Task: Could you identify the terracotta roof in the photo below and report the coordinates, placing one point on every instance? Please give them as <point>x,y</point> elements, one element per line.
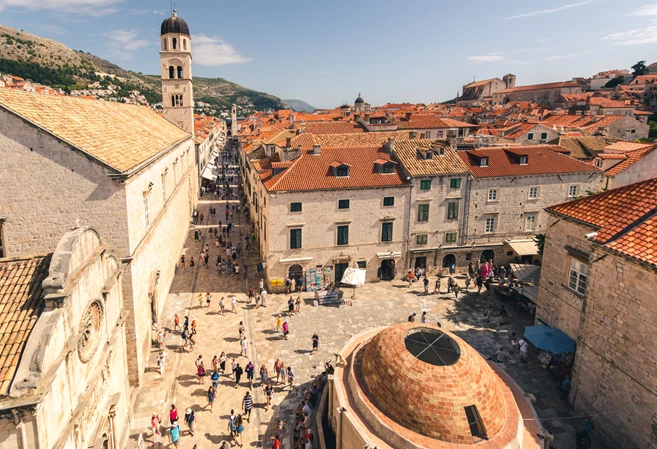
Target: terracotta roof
<point>121,136</point>
<point>333,128</point>
<point>630,158</point>
<point>611,156</point>
<point>430,121</point>
<point>313,172</point>
<point>608,103</point>
<point>542,160</point>
<point>349,140</point>
<point>448,163</point>
<point>480,83</point>
<point>625,218</point>
<point>626,146</point>
<point>21,302</point>
<point>560,84</point>
<point>582,147</point>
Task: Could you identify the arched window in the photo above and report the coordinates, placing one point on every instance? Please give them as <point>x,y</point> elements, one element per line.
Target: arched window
<point>173,100</point>
<point>175,43</point>
<point>181,99</point>
<point>184,44</point>
<point>164,43</point>
<point>180,72</point>
<point>171,72</point>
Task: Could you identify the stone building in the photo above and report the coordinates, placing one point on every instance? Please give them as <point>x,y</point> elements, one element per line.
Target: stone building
<point>439,180</point>
<point>621,168</point>
<point>477,91</point>
<point>527,134</point>
<point>507,193</point>
<point>547,94</point>
<point>64,372</point>
<point>122,169</point>
<point>419,386</point>
<point>597,286</point>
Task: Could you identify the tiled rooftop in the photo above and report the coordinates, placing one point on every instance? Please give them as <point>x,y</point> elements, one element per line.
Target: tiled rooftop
<point>21,302</point>
<point>625,218</point>
<point>448,163</point>
<point>630,158</point>
<point>352,140</point>
<point>541,160</point>
<point>560,84</point>
<point>119,135</point>
<point>333,128</point>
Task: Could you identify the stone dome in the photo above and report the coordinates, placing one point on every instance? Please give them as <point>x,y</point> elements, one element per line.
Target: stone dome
<point>429,381</point>
<point>174,24</point>
<point>359,100</point>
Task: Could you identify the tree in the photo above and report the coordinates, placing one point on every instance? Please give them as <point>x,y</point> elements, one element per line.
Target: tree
<point>615,81</point>
<point>540,242</point>
<point>639,69</point>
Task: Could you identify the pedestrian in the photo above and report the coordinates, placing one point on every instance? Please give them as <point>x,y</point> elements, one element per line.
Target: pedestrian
<point>290,377</point>
<point>283,372</point>
<point>191,262</point>
<point>241,329</point>
<point>513,342</point>
<point>288,283</point>
<point>500,355</point>
<point>191,341</point>
<point>176,322</point>
<point>503,314</point>
<point>174,434</point>
<point>456,290</point>
<point>247,405</point>
<point>190,420</point>
<point>261,285</point>
<point>250,371</point>
<point>238,374</point>
<point>160,362</point>
<point>411,317</point>
<point>565,387</point>
<point>200,373</point>
<point>290,306</point>
<point>199,298</point>
<point>426,285</point>
<point>297,304</point>
<point>277,369</point>
<point>315,340</point>
<point>155,426</point>
<point>208,297</point>
<point>222,306</point>
<point>523,347</point>
<point>212,394</point>
<point>232,425</point>
<point>450,284</point>
<point>480,283</point>
<point>269,393</point>
<point>286,329</point>
<point>193,326</point>
<point>263,298</point>
<point>240,427</point>
<point>244,343</point>
<point>182,261</point>
<point>488,313</point>
<point>468,279</point>
<point>233,303</point>
<point>423,318</point>
<point>264,375</point>
<point>409,278</point>
<point>173,413</point>
<point>251,294</point>
<point>214,377</point>
<point>185,339</point>
<point>222,362</point>
<point>293,285</point>
<point>233,367</point>
<point>436,288</point>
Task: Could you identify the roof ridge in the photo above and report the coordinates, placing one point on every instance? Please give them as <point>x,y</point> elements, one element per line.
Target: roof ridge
<point>630,226</point>
<point>285,172</point>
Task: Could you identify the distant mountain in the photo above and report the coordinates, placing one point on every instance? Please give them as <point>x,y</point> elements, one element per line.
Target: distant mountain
<point>52,63</point>
<point>299,106</point>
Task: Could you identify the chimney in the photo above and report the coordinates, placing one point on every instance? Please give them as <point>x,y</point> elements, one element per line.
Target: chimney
<point>288,142</point>
<point>408,116</point>
<point>391,145</point>
<point>317,150</point>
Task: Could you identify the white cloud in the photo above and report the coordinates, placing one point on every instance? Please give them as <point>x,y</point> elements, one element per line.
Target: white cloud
<point>121,43</point>
<point>645,10</point>
<point>213,51</point>
<point>567,56</point>
<point>93,8</point>
<point>549,11</point>
<point>141,12</point>
<point>646,35</point>
<point>487,58</point>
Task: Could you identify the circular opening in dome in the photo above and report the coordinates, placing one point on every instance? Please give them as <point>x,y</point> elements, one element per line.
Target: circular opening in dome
<point>432,346</point>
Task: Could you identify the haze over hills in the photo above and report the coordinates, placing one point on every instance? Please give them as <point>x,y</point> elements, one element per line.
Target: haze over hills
<point>299,105</point>
<point>52,63</point>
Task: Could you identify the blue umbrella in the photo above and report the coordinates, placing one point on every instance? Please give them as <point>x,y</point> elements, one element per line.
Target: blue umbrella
<point>549,339</point>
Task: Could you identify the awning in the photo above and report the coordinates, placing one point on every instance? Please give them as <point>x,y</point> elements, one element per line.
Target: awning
<point>523,247</point>
<point>528,291</point>
<point>388,255</point>
<point>295,259</point>
<point>425,250</point>
<point>210,172</point>
<point>529,274</point>
<point>353,276</point>
<point>549,339</point>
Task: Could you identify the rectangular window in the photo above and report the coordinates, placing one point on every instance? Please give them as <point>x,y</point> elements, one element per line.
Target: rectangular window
<point>453,210</point>
<point>450,237</point>
<point>421,239</point>
<point>543,136</point>
<point>343,235</point>
<point>147,217</point>
<point>477,428</point>
<point>530,222</point>
<point>490,225</point>
<point>388,168</point>
<point>423,212</point>
<point>295,207</point>
<point>343,204</point>
<point>530,136</point>
<point>523,160</point>
<point>425,184</point>
<point>388,200</point>
<point>362,264</point>
<point>572,191</point>
<point>386,231</point>
<point>455,183</point>
<point>533,193</point>
<point>492,195</point>
<point>483,162</point>
<point>578,275</point>
<point>342,171</point>
<point>295,238</point>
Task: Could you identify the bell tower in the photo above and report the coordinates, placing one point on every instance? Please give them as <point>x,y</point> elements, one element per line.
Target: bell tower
<point>176,67</point>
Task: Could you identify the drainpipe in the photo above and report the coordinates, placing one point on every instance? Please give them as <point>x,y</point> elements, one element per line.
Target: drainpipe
<point>466,210</point>
<point>408,231</point>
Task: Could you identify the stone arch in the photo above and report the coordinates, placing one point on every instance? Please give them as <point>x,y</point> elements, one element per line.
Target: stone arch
<point>487,255</point>
<point>448,260</point>
<point>164,44</point>
<point>173,100</point>
<point>171,72</point>
<point>180,71</point>
<point>184,44</point>
<point>174,44</point>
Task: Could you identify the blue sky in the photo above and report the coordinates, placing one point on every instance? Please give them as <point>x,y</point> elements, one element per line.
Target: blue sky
<point>391,51</point>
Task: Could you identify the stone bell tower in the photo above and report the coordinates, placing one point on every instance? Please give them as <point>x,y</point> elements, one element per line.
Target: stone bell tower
<point>176,67</point>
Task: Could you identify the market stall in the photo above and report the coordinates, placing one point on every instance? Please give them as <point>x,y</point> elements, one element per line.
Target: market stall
<point>557,348</point>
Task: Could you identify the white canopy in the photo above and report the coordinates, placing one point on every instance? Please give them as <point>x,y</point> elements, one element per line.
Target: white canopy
<point>354,277</point>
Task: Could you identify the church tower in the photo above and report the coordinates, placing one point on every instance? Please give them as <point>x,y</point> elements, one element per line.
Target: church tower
<point>176,66</point>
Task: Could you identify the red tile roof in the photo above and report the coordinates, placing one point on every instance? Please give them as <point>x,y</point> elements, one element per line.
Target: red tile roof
<point>625,218</point>
<point>560,84</point>
<point>333,128</point>
<point>630,158</point>
<point>313,172</point>
<point>542,160</point>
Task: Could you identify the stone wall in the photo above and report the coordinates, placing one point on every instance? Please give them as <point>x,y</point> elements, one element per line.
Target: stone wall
<point>644,169</point>
<point>627,128</point>
<point>547,97</point>
<point>47,188</point>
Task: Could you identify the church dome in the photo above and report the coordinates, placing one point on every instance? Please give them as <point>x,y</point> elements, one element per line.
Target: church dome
<point>359,100</point>
<point>174,24</point>
<point>428,380</point>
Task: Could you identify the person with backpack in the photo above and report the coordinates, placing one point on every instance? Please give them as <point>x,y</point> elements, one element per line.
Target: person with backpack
<point>190,420</point>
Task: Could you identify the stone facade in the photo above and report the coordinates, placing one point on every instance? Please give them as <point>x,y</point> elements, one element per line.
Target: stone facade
<point>643,169</point>
<point>57,187</point>
<point>614,366</point>
<point>626,128</point>
<point>71,386</point>
<point>177,86</point>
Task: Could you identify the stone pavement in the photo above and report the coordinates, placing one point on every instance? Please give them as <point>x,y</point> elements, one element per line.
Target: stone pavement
<point>376,304</point>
